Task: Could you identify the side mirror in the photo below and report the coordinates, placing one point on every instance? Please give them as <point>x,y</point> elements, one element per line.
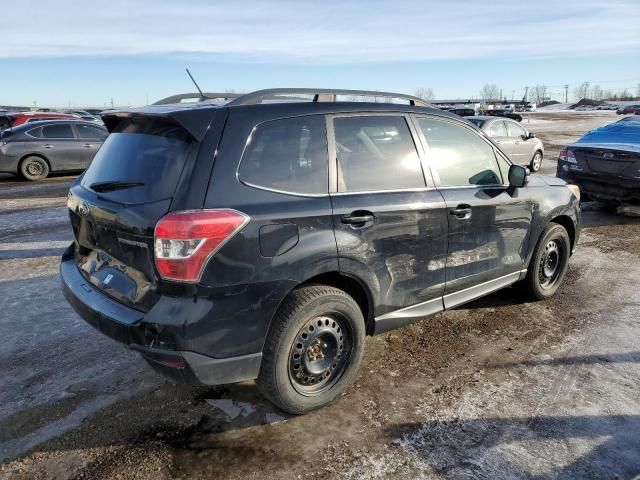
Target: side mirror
<point>531,135</point>
<point>518,176</point>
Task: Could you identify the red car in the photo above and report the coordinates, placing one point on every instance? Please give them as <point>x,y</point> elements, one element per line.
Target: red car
<point>629,110</point>
<point>10,120</point>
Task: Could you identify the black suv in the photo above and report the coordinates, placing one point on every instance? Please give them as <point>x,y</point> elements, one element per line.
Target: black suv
<point>265,237</point>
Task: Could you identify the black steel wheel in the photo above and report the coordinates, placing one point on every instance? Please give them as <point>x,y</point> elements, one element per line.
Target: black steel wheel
<point>34,168</point>
<point>320,353</point>
<point>313,349</point>
<point>549,263</point>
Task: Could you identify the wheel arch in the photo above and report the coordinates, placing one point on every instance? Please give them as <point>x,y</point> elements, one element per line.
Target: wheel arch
<point>567,223</point>
<point>353,286</point>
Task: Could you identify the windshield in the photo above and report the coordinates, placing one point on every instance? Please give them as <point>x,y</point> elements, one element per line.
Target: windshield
<point>149,157</point>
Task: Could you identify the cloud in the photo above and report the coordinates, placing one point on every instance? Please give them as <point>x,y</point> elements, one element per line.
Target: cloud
<point>319,32</point>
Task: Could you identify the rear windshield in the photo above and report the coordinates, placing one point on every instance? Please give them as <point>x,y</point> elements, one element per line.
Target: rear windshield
<point>145,157</point>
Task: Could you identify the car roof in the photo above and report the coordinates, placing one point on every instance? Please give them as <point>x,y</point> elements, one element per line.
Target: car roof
<point>41,123</point>
<point>195,117</point>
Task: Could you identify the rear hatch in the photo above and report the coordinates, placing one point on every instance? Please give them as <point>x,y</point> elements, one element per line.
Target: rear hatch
<point>116,204</point>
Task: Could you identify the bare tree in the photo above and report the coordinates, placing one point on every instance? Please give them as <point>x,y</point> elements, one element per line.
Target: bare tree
<point>490,92</point>
<point>425,94</point>
<point>597,93</point>
<point>539,93</point>
<point>581,91</point>
<point>638,90</point>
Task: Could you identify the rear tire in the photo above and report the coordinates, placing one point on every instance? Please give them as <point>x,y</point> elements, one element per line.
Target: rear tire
<point>536,161</point>
<point>34,168</point>
<point>549,263</point>
<point>313,349</point>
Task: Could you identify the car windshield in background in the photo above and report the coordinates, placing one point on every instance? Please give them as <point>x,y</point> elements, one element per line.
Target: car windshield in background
<point>140,163</point>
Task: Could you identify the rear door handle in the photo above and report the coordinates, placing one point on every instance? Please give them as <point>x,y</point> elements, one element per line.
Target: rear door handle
<point>88,145</point>
<point>462,212</point>
<point>48,146</point>
<point>357,219</point>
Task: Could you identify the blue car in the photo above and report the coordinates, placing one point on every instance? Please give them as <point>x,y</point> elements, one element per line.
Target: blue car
<point>605,163</point>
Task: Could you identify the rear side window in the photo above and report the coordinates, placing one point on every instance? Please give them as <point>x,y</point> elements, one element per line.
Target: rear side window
<point>288,155</point>
<point>459,155</point>
<point>57,132</point>
<point>376,153</point>
<point>148,155</point>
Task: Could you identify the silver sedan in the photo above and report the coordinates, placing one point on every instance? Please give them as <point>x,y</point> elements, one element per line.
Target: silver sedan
<point>521,145</point>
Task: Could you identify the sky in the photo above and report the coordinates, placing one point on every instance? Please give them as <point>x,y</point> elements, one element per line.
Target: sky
<point>90,53</point>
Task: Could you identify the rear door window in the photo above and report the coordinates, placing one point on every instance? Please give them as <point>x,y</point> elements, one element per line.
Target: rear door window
<point>287,155</point>
<point>147,155</point>
<point>459,155</point>
<point>89,132</point>
<point>58,132</point>
<point>376,153</point>
<point>498,129</point>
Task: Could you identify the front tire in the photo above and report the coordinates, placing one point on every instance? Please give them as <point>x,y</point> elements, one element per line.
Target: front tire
<point>536,161</point>
<point>313,349</point>
<point>549,263</point>
<point>34,168</point>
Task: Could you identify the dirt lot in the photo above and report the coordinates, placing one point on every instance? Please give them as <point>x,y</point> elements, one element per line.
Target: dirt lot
<point>501,388</point>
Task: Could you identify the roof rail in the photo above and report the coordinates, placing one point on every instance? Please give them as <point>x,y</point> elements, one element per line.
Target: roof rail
<point>200,98</point>
<point>319,95</point>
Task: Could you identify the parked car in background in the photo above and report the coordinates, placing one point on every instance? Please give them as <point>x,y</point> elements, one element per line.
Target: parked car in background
<point>11,120</point>
<point>276,260</point>
<point>501,112</point>
<point>628,110</point>
<point>605,162</point>
<point>462,112</point>
<point>34,150</point>
<point>521,145</point>
<point>84,115</point>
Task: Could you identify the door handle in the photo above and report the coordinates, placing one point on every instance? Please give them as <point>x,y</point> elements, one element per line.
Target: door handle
<point>357,219</point>
<point>461,212</point>
<point>87,145</point>
<point>498,141</point>
<point>47,146</point>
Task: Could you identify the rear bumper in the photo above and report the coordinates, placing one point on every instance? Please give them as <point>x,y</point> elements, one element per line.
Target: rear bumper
<point>156,342</point>
<point>602,187</point>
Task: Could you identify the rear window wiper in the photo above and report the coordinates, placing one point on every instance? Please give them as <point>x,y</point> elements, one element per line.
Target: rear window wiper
<point>113,185</point>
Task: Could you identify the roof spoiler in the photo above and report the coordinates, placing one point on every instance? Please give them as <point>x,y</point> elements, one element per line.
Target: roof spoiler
<point>195,121</point>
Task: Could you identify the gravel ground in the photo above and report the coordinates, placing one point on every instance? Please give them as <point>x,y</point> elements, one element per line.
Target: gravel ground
<point>501,388</point>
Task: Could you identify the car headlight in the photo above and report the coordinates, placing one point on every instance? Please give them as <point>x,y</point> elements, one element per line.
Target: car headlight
<point>575,190</point>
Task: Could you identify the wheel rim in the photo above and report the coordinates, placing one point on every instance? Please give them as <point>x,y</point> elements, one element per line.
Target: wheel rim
<point>550,264</point>
<point>320,354</point>
<point>537,161</point>
<point>35,169</point>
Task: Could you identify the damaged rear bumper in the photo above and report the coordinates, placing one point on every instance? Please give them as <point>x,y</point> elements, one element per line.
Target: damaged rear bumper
<point>154,341</point>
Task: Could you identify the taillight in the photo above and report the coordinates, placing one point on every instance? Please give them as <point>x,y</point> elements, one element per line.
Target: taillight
<point>566,155</point>
<point>184,241</point>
